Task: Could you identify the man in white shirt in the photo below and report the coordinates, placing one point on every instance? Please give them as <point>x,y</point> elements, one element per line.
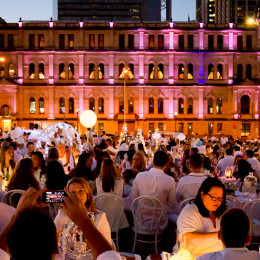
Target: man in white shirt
<point>223,140</point>
<point>157,184</point>
<point>162,140</point>
<point>21,146</point>
<point>235,235</point>
<point>189,185</point>
<point>195,139</point>
<point>225,162</point>
<point>255,164</point>
<point>17,157</point>
<point>236,150</point>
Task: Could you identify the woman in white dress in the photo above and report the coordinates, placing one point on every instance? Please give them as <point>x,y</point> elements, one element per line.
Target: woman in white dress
<point>82,190</point>
<point>7,162</point>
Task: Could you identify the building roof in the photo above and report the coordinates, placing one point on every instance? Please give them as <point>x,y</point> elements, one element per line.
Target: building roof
<point>5,82</point>
<point>248,82</point>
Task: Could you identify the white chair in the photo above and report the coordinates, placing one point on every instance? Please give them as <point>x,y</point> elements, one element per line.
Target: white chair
<point>11,193</point>
<point>233,202</point>
<point>184,203</point>
<point>152,207</point>
<point>113,206</point>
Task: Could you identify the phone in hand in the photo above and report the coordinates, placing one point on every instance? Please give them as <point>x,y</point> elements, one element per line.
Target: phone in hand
<point>53,196</point>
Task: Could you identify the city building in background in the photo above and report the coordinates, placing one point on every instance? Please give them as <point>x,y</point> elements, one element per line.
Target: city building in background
<point>185,77</point>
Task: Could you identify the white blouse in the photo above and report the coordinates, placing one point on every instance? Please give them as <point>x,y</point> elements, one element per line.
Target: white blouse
<point>118,187</point>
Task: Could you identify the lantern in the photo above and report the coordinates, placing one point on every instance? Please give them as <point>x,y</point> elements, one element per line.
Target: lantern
<point>228,172</point>
<point>88,118</point>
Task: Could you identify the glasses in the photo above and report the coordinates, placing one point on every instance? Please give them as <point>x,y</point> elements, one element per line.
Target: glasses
<point>215,198</point>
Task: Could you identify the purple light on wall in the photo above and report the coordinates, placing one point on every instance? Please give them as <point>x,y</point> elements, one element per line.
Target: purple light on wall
<point>171,25</point>
<point>201,25</point>
<point>51,24</point>
<point>20,24</point>
<point>81,24</point>
<point>230,81</point>
<point>51,81</point>
<point>20,81</point>
<point>81,81</point>
<point>236,116</point>
<point>141,81</point>
<point>111,24</point>
<point>256,116</point>
<point>231,25</point>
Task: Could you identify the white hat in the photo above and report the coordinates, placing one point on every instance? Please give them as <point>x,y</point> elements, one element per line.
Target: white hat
<point>123,147</point>
<point>20,140</point>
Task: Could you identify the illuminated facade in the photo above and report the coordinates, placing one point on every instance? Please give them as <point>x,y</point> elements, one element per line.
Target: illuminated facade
<point>188,77</point>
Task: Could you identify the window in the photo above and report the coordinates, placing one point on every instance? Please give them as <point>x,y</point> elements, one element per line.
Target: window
<point>2,70</point>
<point>41,71</point>
<point>210,128</point>
<point>131,71</point>
<point>91,71</point>
<point>211,42</point>
<point>245,129</point>
<point>181,106</point>
<point>151,127</point>
<point>245,105</point>
<point>181,71</point>
<point>219,106</point>
<point>190,106</point>
<point>2,42</point>
<point>248,71</point>
<point>190,71</point>
<point>249,42</point>
<point>180,127</point>
<point>130,105</point>
<point>130,41</point>
<point>62,41</point>
<point>31,41</point>
<point>219,128</point>
<point>160,126</point>
<point>101,71</point>
<point>41,105</point>
<point>101,41</point>
<point>92,104</point>
<point>101,126</point>
<point>240,42</point>
<point>101,105</point>
<point>160,105</point>
<point>92,41</point>
<point>160,71</point>
<point>239,72</point>
<point>71,105</point>
<point>62,105</point>
<point>210,106</point>
<point>160,42</point>
<point>71,41</point>
<point>151,105</point>
<point>190,128</point>
<point>31,126</point>
<point>121,105</point>
<point>219,71</point>
<point>5,110</point>
<point>151,71</point>
<point>62,71</point>
<point>121,41</point>
<point>181,42</point>
<point>32,71</point>
<point>32,105</point>
<point>190,42</point>
<point>11,70</point>
<point>210,71</point>
<point>121,71</point>
<point>220,42</point>
<point>41,41</point>
<point>71,71</point>
<point>10,42</point>
<point>151,41</point>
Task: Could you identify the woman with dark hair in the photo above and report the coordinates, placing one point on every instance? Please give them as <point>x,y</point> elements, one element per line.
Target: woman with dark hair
<point>237,159</point>
<point>185,166</point>
<point>244,168</point>
<point>127,163</point>
<point>140,148</point>
<point>199,221</point>
<point>53,155</point>
<point>102,156</point>
<point>39,165</point>
<point>206,165</point>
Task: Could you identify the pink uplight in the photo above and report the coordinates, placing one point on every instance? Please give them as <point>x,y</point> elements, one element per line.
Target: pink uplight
<point>20,24</point>
<point>51,24</point>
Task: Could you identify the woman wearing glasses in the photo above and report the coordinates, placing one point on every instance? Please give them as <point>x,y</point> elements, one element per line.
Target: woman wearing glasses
<point>199,221</point>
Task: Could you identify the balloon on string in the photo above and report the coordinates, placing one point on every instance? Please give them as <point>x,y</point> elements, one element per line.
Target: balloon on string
<point>88,118</point>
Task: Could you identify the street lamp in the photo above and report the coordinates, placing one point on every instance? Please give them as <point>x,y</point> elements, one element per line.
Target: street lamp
<point>77,111</point>
<point>175,119</point>
<point>2,59</point>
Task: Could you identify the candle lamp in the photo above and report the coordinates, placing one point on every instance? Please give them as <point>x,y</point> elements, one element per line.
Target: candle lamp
<point>228,172</point>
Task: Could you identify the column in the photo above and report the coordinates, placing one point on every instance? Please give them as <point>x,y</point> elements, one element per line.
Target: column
<point>256,104</point>
<point>141,103</point>
<point>201,68</point>
<point>51,72</point>
<point>20,69</point>
<point>230,68</point>
<point>15,91</point>
<point>201,35</point>
<point>141,69</point>
<point>141,42</point>
<point>231,45</point>
<point>171,44</point>
<point>51,102</point>
<point>171,69</point>
<point>111,102</point>
<point>170,103</point>
<point>201,103</point>
<point>111,69</point>
<point>81,100</point>
<point>81,68</point>
<point>235,103</point>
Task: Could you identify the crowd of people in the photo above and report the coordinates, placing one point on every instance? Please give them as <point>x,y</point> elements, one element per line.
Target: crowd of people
<point>167,169</point>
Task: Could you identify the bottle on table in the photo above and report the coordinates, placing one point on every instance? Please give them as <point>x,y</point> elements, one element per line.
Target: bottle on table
<point>250,184</point>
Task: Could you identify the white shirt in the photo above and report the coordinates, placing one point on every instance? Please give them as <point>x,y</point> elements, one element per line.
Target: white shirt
<point>17,157</point>
<point>94,164</point>
<point>236,153</point>
<point>157,184</point>
<point>162,141</point>
<point>195,140</point>
<point>22,151</point>
<point>26,155</point>
<point>189,185</point>
<point>231,253</point>
<point>224,163</point>
<point>37,174</point>
<point>223,140</point>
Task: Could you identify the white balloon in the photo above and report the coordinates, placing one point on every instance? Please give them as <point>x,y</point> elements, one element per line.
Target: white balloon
<point>88,118</point>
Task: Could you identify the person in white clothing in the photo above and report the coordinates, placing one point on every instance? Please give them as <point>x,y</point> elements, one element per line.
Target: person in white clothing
<point>30,149</point>
<point>223,140</point>
<point>225,162</point>
<point>21,146</point>
<point>7,162</point>
<point>189,185</point>
<point>236,150</point>
<point>255,164</point>
<point>39,165</point>
<point>17,157</point>
<point>157,184</point>
<point>234,239</point>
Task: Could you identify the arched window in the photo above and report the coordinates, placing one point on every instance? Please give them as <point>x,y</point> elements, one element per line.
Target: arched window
<point>245,105</point>
<point>190,71</point>
<point>131,71</point>
<point>220,71</point>
<point>181,105</point>
<point>62,71</point>
<point>101,71</point>
<point>5,110</point>
<point>101,105</point>
<point>32,105</point>
<point>248,71</point>
<point>2,70</point>
<point>130,105</point>
<point>239,72</point>
<point>190,106</point>
<point>32,71</point>
<point>151,105</point>
<point>11,70</point>
<point>71,71</point>
<point>219,106</point>
<point>92,104</point>
<point>181,71</point>
<point>151,71</point>
<point>121,71</point>
<point>41,105</point>
<point>210,71</point>
<point>160,105</point>
<point>160,71</point>
<point>62,105</point>
<point>210,106</point>
<point>121,105</point>
<point>71,105</point>
<point>91,71</point>
<point>41,71</point>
